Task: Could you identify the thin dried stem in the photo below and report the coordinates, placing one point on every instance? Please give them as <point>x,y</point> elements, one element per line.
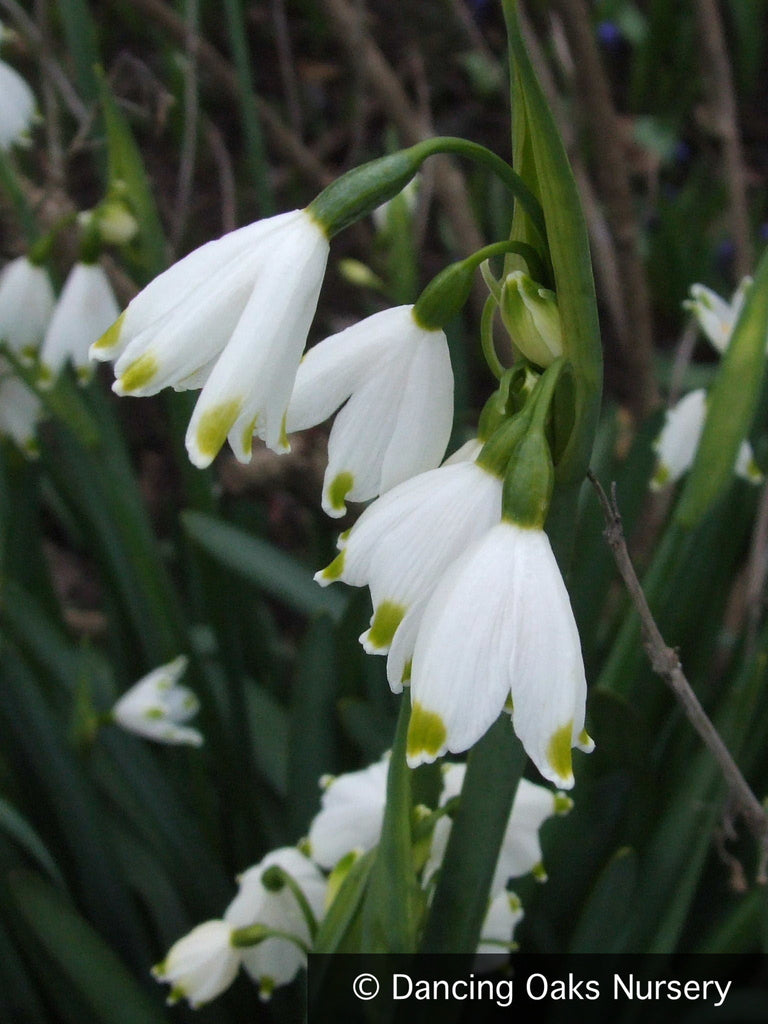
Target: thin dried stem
<point>666,663</point>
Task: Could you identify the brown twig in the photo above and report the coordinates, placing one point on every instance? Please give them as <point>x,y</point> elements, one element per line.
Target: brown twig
<point>722,103</point>
<point>666,663</point>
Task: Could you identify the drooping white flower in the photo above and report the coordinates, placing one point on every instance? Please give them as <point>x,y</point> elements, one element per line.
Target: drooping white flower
<point>394,383</point>
<point>351,814</point>
<point>678,442</point>
<point>506,594</point>
<point>276,961</point>
<point>403,543</point>
<point>17,107</point>
<point>505,912</point>
<point>86,308</point>
<point>20,410</point>
<point>156,705</point>
<point>714,315</point>
<point>201,965</point>
<point>231,318</point>
<point>520,851</point>
<point>27,301</point>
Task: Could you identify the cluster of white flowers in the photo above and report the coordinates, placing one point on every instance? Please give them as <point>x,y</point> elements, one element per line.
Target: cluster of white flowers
<point>678,442</point>
<point>43,333</point>
<point>269,926</point>
<point>443,560</point>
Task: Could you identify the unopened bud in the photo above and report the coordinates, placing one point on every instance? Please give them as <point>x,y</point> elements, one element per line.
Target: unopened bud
<point>531,315</point>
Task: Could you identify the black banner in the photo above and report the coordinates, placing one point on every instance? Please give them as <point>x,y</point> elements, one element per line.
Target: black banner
<point>478,989</point>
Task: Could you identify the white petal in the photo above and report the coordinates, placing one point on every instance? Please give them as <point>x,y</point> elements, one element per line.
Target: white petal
<point>504,914</point>
<point>521,849</point>
<point>27,301</point>
<point>679,438</point>
<point>351,814</point>
<point>331,370</point>
<point>250,385</point>
<point>425,413</point>
<point>181,281</point>
<point>202,964</point>
<point>20,410</point>
<point>458,688</point>
<point>746,468</point>
<point>86,307</point>
<point>545,666</point>
<point>17,106</point>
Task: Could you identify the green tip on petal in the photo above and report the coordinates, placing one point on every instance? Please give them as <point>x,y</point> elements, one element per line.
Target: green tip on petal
<point>304,846</point>
<point>559,752</point>
<point>246,441</point>
<point>386,619</point>
<point>407,671</point>
<point>177,993</point>
<point>585,742</point>
<point>514,901</point>
<point>660,478</point>
<point>426,733</point>
<point>214,426</point>
<point>139,373</point>
<point>340,487</point>
<point>563,803</point>
<point>539,872</point>
<point>334,570</point>
<point>111,336</point>
<point>266,988</point>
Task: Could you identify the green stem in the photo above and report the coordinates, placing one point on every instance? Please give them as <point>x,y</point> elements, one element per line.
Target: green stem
<point>275,872</point>
<point>254,934</point>
<point>494,768</point>
<point>389,909</point>
<point>486,338</point>
<point>361,190</point>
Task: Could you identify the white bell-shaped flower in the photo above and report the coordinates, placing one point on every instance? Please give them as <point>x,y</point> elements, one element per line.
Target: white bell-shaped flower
<point>393,380</point>
<point>678,442</point>
<point>714,315</point>
<point>20,410</point>
<point>201,965</point>
<point>156,707</point>
<point>27,302</point>
<point>507,594</point>
<point>86,308</point>
<point>17,107</point>
<point>351,814</point>
<point>276,961</point>
<point>403,543</point>
<point>231,318</point>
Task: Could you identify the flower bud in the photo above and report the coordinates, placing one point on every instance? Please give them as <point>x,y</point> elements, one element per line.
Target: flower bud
<point>531,315</point>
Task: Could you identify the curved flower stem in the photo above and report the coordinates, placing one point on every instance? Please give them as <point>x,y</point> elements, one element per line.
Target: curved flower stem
<point>486,338</point>
<point>359,191</point>
<point>666,663</point>
<point>506,175</point>
<point>254,934</point>
<point>285,878</point>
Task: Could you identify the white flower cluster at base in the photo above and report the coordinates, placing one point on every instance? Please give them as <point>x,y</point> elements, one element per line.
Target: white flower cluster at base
<point>205,962</point>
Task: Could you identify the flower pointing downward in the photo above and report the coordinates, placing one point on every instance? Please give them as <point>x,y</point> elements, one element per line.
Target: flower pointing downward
<point>499,626</point>
<point>231,318</point>
<point>393,379</point>
<point>156,705</point>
